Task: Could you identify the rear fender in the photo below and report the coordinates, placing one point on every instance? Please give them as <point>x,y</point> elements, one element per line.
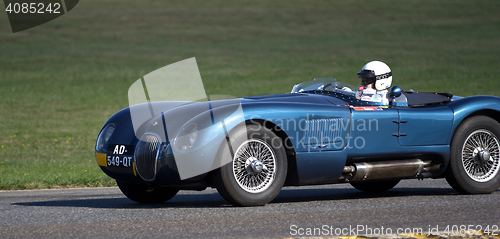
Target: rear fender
<point>467,106</point>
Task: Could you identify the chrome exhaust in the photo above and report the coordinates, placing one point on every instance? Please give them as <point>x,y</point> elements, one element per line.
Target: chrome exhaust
<point>397,169</point>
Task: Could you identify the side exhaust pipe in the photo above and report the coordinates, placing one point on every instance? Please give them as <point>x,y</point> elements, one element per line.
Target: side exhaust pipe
<point>383,170</point>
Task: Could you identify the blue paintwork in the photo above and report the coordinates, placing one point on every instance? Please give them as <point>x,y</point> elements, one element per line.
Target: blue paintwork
<point>391,133</point>
<point>320,167</point>
<point>372,133</point>
<point>425,126</point>
<point>468,105</point>
<point>292,119</point>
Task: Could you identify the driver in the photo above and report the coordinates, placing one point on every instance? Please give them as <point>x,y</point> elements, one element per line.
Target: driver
<point>376,78</point>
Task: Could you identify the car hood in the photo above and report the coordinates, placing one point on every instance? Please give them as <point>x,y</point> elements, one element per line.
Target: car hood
<point>176,114</point>
<point>294,98</point>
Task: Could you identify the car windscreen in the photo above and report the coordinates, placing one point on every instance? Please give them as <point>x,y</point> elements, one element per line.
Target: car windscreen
<point>334,88</point>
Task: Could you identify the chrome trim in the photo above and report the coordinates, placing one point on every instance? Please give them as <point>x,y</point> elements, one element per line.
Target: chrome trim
<point>254,166</point>
<point>481,155</point>
<point>138,162</point>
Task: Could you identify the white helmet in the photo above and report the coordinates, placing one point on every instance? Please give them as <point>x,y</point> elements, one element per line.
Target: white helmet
<point>380,72</point>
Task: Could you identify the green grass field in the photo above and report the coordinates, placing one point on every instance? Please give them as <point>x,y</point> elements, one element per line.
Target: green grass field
<point>59,82</point>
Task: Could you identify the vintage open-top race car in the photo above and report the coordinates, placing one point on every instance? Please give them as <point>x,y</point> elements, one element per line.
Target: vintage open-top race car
<point>320,133</point>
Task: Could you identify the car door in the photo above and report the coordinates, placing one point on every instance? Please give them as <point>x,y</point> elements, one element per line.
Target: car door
<point>371,132</point>
<point>424,126</point>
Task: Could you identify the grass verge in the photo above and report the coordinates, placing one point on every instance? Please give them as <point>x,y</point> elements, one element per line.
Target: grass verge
<point>59,82</point>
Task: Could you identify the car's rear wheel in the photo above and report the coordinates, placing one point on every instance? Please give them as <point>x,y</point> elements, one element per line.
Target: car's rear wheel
<point>257,170</point>
<point>475,156</point>
<point>146,194</point>
<point>375,186</point>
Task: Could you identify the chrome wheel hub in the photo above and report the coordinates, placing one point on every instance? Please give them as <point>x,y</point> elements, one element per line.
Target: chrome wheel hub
<point>481,155</point>
<point>254,166</point>
<point>484,156</point>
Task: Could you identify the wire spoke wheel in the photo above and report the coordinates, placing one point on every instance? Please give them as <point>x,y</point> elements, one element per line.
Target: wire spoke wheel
<point>474,165</point>
<point>257,169</point>
<point>254,166</point>
<point>481,155</point>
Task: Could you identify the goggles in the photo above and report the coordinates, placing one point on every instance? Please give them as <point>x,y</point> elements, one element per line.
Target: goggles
<point>367,81</point>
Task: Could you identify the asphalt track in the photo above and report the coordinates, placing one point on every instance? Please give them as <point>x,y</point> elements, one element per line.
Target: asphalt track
<point>296,212</point>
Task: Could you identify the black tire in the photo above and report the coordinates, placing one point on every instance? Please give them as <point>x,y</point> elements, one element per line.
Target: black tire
<point>233,180</point>
<point>145,194</point>
<point>375,186</point>
<point>474,167</point>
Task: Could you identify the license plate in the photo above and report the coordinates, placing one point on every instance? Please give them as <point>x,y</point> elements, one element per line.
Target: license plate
<point>120,155</point>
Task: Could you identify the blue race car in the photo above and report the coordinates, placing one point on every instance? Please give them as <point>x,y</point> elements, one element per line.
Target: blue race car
<point>320,133</point>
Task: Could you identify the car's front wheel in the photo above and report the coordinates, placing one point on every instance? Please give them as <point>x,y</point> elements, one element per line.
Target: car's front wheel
<point>257,170</point>
<point>146,194</point>
<point>475,156</point>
